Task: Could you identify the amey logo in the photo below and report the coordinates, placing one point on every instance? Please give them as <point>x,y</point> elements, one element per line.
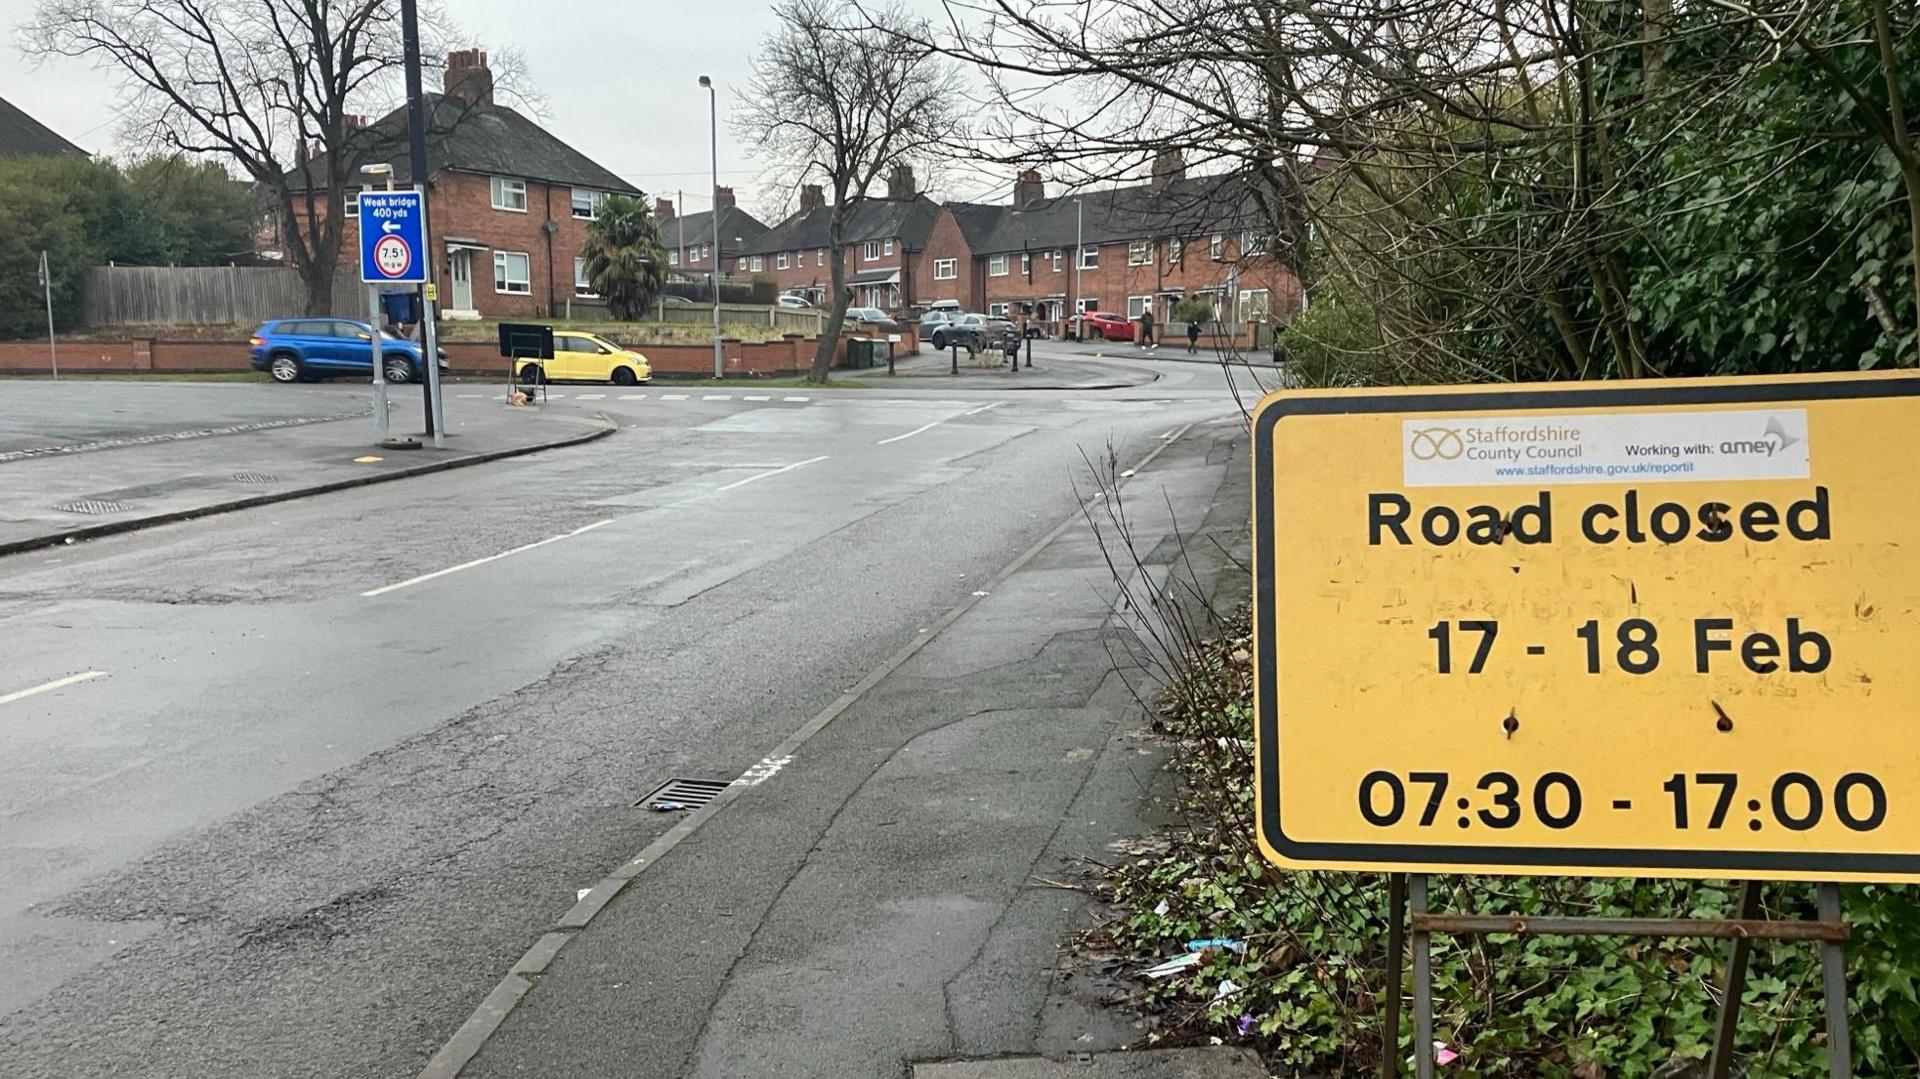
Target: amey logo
<point>1772,441</point>
<point>1435,444</point>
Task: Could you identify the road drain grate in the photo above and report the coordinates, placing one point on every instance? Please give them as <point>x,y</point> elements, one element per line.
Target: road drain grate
<point>680,794</point>
<point>254,477</point>
<point>90,505</point>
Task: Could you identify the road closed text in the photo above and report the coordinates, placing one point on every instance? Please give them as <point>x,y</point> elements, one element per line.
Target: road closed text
<point>1394,518</point>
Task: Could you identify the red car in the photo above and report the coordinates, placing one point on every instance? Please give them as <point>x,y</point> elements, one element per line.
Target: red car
<point>1107,326</point>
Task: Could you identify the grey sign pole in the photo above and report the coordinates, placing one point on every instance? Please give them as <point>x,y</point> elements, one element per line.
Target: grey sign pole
<point>379,373</point>
<point>713,127</point>
<point>430,331</point>
<point>46,285</point>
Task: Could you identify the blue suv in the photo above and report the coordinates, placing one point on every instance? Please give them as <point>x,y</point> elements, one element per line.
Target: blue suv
<point>297,349</point>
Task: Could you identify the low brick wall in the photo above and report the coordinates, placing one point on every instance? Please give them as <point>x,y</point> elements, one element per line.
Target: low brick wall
<point>791,355</point>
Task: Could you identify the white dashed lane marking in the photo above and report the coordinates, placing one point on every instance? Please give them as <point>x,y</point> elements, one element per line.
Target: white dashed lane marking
<point>718,397</point>
<point>425,577</point>
<point>49,687</point>
<point>773,472</point>
<point>592,397</point>
<point>751,397</point>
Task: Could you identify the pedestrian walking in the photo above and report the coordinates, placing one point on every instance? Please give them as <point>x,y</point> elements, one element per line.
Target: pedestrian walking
<point>1146,329</point>
<point>1193,336</point>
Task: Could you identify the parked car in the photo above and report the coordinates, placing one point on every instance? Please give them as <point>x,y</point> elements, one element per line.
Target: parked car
<point>1107,326</point>
<point>873,316</point>
<point>301,349</point>
<point>790,300</point>
<point>931,321</point>
<point>585,357</point>
<point>671,300</point>
<point>974,332</point>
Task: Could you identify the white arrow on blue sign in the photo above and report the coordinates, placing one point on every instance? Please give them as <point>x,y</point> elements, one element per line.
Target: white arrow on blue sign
<point>392,238</point>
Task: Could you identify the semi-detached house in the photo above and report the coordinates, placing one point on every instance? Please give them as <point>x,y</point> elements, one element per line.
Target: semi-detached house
<point>509,202</point>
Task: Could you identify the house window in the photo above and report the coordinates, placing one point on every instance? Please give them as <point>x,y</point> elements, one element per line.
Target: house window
<point>1026,265</point>
<point>586,202</point>
<point>673,258</point>
<point>780,261</point>
<point>759,263</point>
<point>946,269</point>
<point>1252,243</point>
<point>1139,253</point>
<point>1089,258</point>
<point>1215,246</point>
<point>1255,305</point>
<point>997,266</point>
<point>511,273</point>
<point>1056,260</point>
<point>582,286</point>
<point>1085,304</point>
<point>886,248</point>
<point>509,194</point>
<point>997,310</point>
<point>871,251</point>
<point>740,264</point>
<point>820,256</point>
<point>353,205</point>
<point>1137,305</point>
<point>1175,249</point>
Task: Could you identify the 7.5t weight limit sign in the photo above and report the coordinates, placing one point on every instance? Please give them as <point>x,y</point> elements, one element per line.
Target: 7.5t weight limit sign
<point>1627,628</point>
<point>392,238</point>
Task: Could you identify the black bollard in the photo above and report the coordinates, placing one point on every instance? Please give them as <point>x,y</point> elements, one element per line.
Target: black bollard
<point>954,349</point>
<point>1029,353</point>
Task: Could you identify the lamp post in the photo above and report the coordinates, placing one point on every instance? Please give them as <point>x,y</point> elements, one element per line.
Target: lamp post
<point>713,128</point>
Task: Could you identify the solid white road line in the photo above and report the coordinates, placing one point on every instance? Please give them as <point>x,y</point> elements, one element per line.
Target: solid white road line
<point>423,578</point>
<point>909,434</point>
<point>983,408</point>
<point>774,472</point>
<point>23,694</point>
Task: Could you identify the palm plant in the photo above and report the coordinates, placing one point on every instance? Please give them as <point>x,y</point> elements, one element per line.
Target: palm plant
<point>625,262</point>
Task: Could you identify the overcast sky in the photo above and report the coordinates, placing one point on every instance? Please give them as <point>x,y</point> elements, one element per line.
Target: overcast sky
<point>620,80</point>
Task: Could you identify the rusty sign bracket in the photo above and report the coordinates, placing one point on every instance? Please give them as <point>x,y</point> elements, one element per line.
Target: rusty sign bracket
<point>1829,931</point>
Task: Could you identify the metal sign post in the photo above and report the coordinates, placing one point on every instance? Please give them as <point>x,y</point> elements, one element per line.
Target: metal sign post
<point>46,286</point>
<point>1595,629</point>
<point>392,252</point>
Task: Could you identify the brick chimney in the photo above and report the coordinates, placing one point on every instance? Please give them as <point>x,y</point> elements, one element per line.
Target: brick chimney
<point>468,77</point>
<point>1028,189</point>
<point>811,197</point>
<point>1169,166</point>
<point>723,198</point>
<point>900,183</point>
<point>663,209</point>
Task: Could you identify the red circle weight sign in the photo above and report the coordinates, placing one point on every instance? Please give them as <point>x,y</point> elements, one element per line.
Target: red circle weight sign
<point>392,256</point>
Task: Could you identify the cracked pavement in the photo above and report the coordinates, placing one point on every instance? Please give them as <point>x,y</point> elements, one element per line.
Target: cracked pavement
<point>294,830</point>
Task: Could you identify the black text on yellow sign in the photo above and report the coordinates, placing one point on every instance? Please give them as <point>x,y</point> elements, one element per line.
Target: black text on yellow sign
<point>1630,628</point>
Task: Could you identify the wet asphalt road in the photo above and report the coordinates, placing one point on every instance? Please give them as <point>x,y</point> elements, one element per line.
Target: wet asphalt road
<point>343,758</point>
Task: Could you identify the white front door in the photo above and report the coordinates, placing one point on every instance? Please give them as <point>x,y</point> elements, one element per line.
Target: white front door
<point>461,273</point>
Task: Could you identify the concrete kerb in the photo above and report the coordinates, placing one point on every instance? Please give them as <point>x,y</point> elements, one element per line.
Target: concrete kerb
<point>135,524</point>
<point>459,1050</point>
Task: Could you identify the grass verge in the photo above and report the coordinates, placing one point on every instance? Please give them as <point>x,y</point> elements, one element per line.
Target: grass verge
<point>1292,962</point>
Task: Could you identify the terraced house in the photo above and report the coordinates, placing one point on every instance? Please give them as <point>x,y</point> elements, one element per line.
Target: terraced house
<point>883,251</point>
<point>1128,250</point>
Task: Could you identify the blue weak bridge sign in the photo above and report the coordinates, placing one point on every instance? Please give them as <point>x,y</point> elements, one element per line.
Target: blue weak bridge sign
<point>393,238</point>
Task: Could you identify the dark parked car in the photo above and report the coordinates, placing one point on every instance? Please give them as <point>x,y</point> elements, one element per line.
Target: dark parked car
<point>975,332</point>
<point>298,349</point>
<point>873,316</point>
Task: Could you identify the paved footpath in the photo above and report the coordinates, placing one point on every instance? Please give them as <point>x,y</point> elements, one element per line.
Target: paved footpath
<point>85,459</point>
<point>883,889</point>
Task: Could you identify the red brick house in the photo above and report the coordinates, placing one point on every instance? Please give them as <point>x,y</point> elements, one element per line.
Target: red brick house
<point>884,247</point>
<point>508,201</point>
<point>688,238</point>
<point>1126,250</point>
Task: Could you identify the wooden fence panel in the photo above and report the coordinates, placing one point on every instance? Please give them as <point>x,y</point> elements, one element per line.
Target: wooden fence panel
<point>206,295</point>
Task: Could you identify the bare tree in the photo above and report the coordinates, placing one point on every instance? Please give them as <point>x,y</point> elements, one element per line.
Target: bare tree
<point>843,95</point>
<point>268,85</point>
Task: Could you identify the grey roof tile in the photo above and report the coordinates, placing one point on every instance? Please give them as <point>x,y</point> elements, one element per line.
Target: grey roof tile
<point>23,136</point>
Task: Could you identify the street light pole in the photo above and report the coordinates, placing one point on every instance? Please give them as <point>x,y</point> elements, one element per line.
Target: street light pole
<point>46,287</point>
<point>1079,264</point>
<point>713,128</point>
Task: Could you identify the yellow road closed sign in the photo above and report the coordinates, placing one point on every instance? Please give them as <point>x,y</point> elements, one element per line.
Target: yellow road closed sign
<point>1625,629</point>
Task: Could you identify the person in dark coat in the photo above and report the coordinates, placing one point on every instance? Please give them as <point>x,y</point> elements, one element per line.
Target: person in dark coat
<point>1146,329</point>
<point>1193,335</point>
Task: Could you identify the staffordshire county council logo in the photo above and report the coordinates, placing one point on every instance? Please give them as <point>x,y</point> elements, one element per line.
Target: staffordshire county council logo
<point>1435,444</point>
